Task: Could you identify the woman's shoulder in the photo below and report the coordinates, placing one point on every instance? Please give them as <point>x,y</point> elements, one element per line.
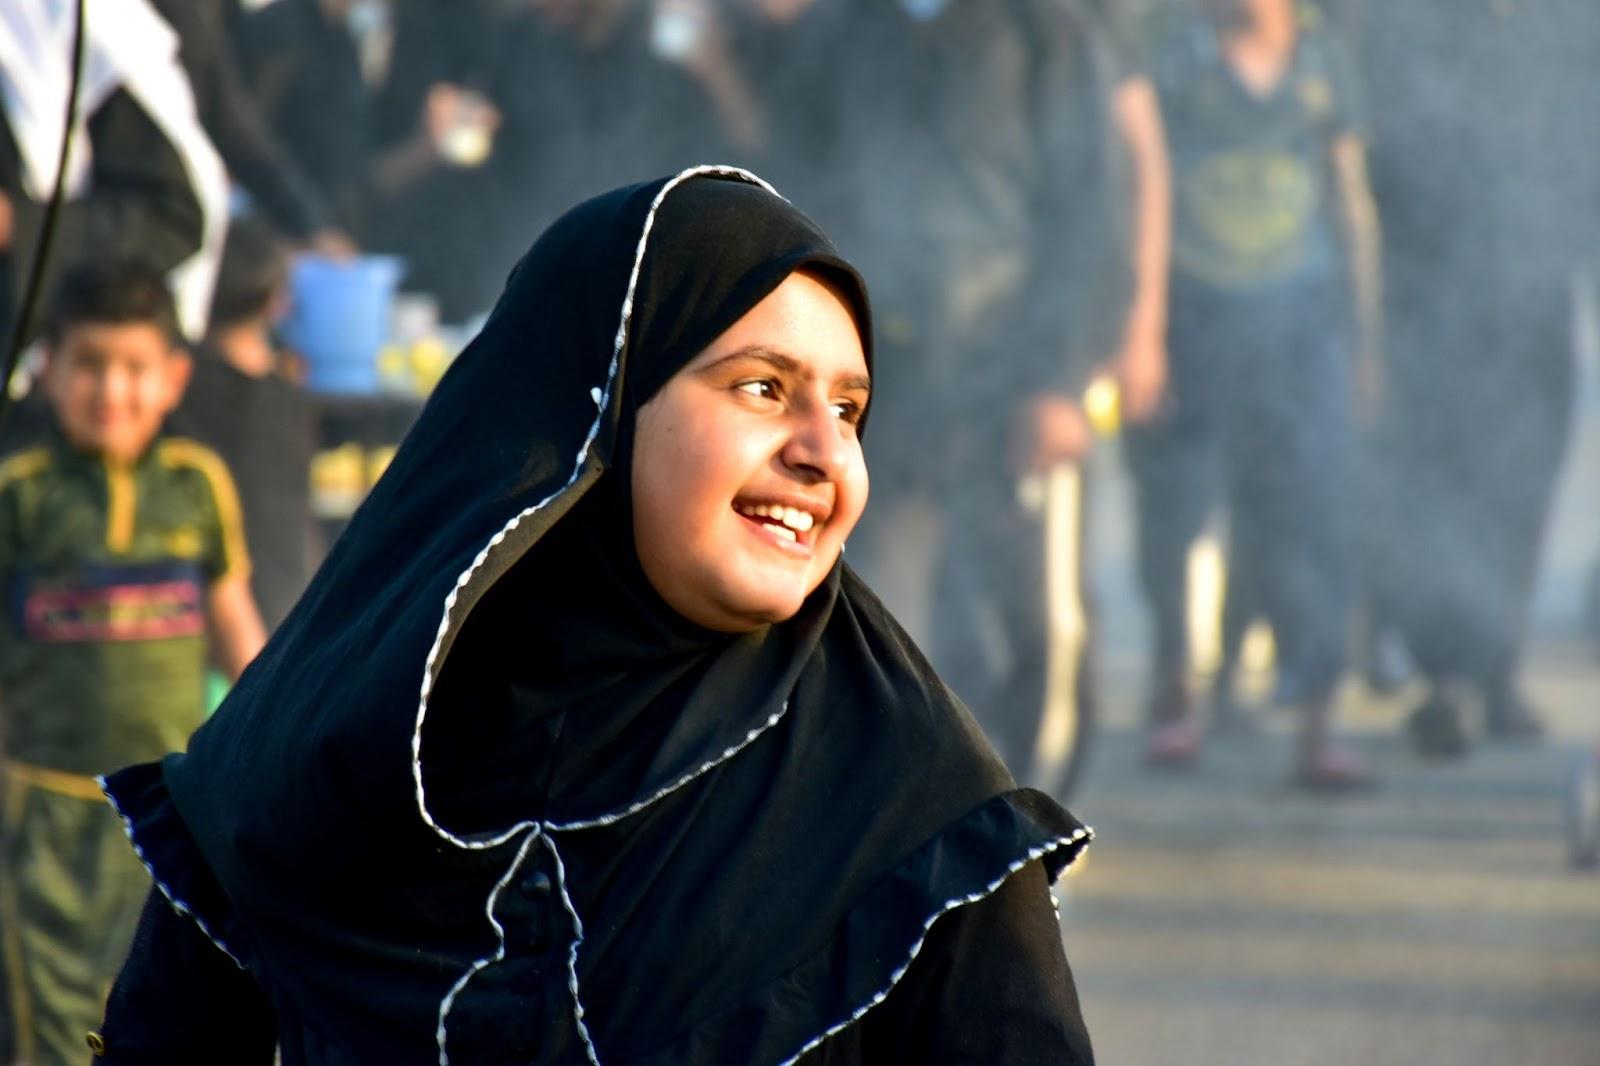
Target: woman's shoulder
<point>990,983</point>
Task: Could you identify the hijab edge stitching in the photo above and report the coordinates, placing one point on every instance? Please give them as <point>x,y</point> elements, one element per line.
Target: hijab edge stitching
<point>431,666</point>
<point>177,904</point>
<point>544,830</point>
<point>1083,834</point>
<point>666,790</point>
<point>484,963</point>
<point>572,954</point>
<point>432,663</point>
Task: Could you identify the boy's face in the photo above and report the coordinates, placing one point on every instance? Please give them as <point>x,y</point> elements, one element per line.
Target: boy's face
<point>112,384</point>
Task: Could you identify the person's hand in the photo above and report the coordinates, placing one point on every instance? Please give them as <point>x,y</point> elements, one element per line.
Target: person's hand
<point>689,33</point>
<point>333,244</point>
<point>1052,430</point>
<point>7,222</point>
<point>1141,373</point>
<point>460,123</point>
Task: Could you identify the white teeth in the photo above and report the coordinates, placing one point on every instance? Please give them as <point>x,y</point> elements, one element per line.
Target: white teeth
<point>784,532</point>
<point>792,517</point>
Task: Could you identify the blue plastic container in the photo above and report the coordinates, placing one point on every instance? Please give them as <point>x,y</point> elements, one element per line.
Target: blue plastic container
<point>340,319</point>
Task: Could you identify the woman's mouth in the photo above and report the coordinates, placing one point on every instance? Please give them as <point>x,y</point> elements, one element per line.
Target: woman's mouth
<point>785,525</point>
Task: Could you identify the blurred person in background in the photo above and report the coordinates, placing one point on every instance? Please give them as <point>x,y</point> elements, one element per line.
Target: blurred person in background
<point>983,159</point>
<point>233,121</point>
<point>119,547</point>
<point>699,36</point>
<point>1274,233</point>
<point>1487,165</point>
<point>303,66</point>
<point>240,404</point>
<point>784,48</point>
<point>394,107</point>
<point>142,176</point>
<point>611,91</point>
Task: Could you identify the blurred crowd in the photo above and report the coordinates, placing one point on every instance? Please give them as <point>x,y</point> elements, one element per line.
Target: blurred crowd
<point>1325,253</point>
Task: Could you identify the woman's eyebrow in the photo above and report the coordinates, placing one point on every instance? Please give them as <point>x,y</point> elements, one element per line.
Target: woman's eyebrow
<point>788,364</point>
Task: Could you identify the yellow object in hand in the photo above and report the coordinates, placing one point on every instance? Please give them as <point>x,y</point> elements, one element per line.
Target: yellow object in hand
<point>1102,404</point>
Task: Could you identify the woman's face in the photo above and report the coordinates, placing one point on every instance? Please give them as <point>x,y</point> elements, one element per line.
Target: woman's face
<point>747,471</point>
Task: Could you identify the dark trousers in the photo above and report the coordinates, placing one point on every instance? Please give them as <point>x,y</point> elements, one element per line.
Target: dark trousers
<point>990,624</point>
<point>1261,422</point>
<point>1474,428</point>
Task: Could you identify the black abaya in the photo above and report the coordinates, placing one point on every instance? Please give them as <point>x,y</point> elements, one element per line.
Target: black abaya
<point>601,834</point>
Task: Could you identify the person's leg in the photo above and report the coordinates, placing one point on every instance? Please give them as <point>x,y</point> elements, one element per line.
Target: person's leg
<point>1173,468</point>
<point>1241,608</point>
<point>1478,461</point>
<point>989,623</point>
<point>1049,684</point>
<point>1421,557</point>
<point>1534,336</point>
<point>1017,589</point>
<point>1290,451</point>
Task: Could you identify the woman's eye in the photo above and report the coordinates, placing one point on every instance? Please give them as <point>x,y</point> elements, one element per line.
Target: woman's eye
<point>765,388</point>
<point>847,411</point>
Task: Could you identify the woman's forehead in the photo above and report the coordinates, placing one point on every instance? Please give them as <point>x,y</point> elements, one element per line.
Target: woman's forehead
<point>802,328</point>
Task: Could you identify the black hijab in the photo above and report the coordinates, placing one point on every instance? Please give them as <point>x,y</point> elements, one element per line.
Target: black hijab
<point>742,839</point>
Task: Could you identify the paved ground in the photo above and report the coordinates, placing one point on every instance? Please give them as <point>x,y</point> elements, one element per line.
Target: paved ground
<point>1221,919</point>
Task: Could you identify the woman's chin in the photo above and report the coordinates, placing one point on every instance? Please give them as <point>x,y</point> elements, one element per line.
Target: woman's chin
<point>744,610</point>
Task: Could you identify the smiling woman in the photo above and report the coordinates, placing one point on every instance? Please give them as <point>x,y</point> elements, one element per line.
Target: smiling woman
<point>585,746</point>
<point>748,473</point>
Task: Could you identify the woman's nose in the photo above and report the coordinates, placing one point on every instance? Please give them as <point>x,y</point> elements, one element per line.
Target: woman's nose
<point>821,444</point>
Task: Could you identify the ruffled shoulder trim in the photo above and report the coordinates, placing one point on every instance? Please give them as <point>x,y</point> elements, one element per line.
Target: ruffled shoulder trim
<point>163,843</point>
<point>877,939</point>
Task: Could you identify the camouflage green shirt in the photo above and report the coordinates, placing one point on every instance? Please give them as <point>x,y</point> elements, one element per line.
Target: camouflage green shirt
<point>105,569</point>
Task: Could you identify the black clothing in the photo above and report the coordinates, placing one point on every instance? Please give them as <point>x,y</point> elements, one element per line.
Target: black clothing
<point>139,203</point>
<point>1265,426</point>
<point>305,75</point>
<point>977,148</point>
<point>264,429</point>
<point>1254,197</point>
<point>234,122</point>
<point>1487,171</point>
<point>1260,349</point>
<point>979,177</point>
<point>611,111</point>
<point>604,834</point>
<point>790,67</point>
<point>192,1001</point>
<point>450,227</point>
<point>27,422</point>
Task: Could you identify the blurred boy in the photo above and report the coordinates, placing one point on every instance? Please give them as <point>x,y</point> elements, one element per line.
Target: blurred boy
<point>117,546</point>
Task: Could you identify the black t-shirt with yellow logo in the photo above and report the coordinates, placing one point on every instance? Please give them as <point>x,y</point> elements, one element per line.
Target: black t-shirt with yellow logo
<point>1251,174</point>
<point>104,569</point>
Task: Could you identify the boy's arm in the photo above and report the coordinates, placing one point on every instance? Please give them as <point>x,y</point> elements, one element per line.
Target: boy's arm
<point>236,629</point>
<point>237,632</point>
